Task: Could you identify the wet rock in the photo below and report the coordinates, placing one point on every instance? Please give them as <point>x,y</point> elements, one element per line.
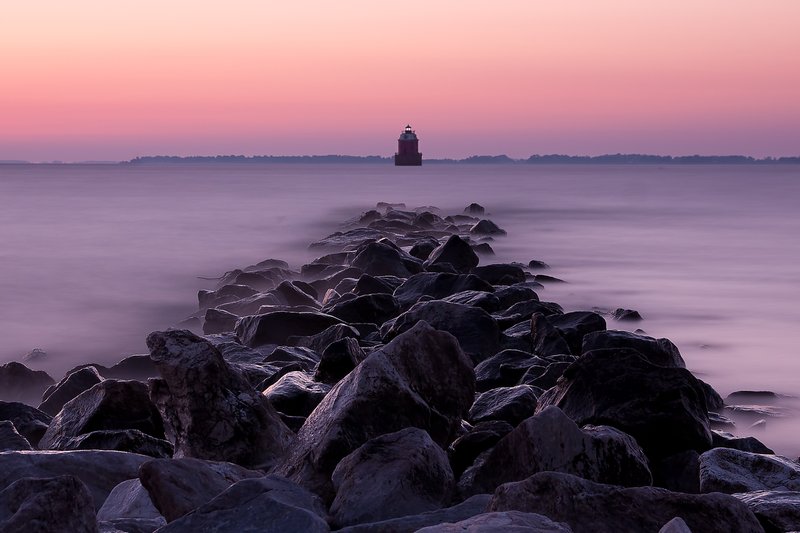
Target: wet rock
<point>474,209</point>
<point>475,329</point>
<point>500,274</point>
<point>546,339</point>
<point>370,308</point>
<point>745,444</point>
<point>367,284</point>
<point>456,252</point>
<point>10,440</point>
<point>338,360</point>
<point>659,352</point>
<point>129,499</point>
<point>627,315</point>
<point>218,321</point>
<point>72,385</point>
<point>510,404</point>
<point>54,505</point>
<point>465,449</point>
<point>575,325</point>
<point>278,326</point>
<point>547,377</point>
<point>504,369</point>
<point>486,227</point>
<point>397,474</point>
<point>251,304</point>
<point>776,510</point>
<point>663,408</point>
<point>331,281</point>
<point>30,422</point>
<point>18,383</point>
<point>437,285</point>
<point>726,470</point>
<point>714,401</point>
<point>211,410</point>
<point>267,505</point>
<point>550,441</point>
<point>296,394</point>
<point>501,521</point>
<point>178,486</point>
<point>483,300</point>
<point>420,379</point>
<point>123,440</point>
<point>590,507</point>
<point>109,405</point>
<point>385,259</point>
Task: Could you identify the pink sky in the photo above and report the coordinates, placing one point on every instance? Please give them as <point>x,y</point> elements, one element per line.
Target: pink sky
<point>91,79</point>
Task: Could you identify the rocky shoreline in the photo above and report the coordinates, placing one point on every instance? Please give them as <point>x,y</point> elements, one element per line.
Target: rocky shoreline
<point>393,384</point>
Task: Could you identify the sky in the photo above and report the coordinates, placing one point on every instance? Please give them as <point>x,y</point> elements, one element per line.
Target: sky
<point>99,80</point>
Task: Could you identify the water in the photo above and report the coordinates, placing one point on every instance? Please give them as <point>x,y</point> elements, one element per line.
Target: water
<point>92,258</point>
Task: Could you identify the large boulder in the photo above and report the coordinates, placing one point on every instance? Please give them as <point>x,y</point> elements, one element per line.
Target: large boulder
<point>30,422</point>
<point>511,521</point>
<point>475,329</point>
<point>437,285</point>
<point>268,505</point>
<point>18,383</point>
<point>661,352</point>
<point>129,499</point>
<point>386,259</point>
<point>420,379</point>
<point>72,385</point>
<point>575,325</point>
<point>276,327</point>
<point>178,486</point>
<point>727,470</point>
<point>108,405</point>
<point>10,440</point>
<point>455,251</point>
<point>511,404</point>
<point>500,274</point>
<point>777,510</point>
<point>397,474</point>
<point>49,505</point>
<point>484,435</point>
<point>485,300</point>
<point>123,440</point>
<point>505,369</point>
<point>369,308</point>
<point>663,408</point>
<point>550,441</point>
<point>338,360</point>
<point>210,409</point>
<point>590,507</point>
<point>296,394</point>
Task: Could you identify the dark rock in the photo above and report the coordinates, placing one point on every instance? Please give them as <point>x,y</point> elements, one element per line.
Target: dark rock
<point>251,304</point>
<point>374,308</point>
<point>745,444</point>
<point>268,505</point>
<point>385,259</point>
<point>544,378</point>
<point>663,408</point>
<point>269,263</point>
<point>517,337</point>
<point>292,293</point>
<point>18,383</point>
<point>713,399</point>
<point>504,369</point>
<point>659,352</point>
<point>455,251</point>
<point>678,473</point>
<point>123,440</point>
<point>486,227</point>
<point>550,441</point>
<point>525,310</point>
<point>627,315</point>
<point>537,265</point>
<point>422,249</point>
<point>138,367</point>
<point>223,295</point>
<point>501,521</point>
<point>465,449</point>
<point>500,274</point>
<point>10,440</point>
<point>513,294</point>
<point>483,248</point>
<point>319,342</point>
<point>284,355</point>
<point>72,385</point>
<point>574,326</point>
<point>278,326</point>
<point>676,525</point>
<point>590,507</point>
<point>129,500</point>
<point>437,285</point>
<point>331,281</point>
<point>475,209</point>
<point>420,379</point>
<point>397,474</point>
<point>367,284</point>
<point>30,422</point>
<point>338,360</point>
<point>218,321</point>
<point>348,239</point>
<point>546,339</point>
<point>475,329</point>
<point>210,409</point>
<point>727,470</point>
<point>752,397</point>
<point>296,394</point>
<point>178,486</point>
<point>481,299</point>
<point>510,404</point>
<point>253,280</point>
<point>777,510</point>
<point>545,279</point>
<point>55,504</point>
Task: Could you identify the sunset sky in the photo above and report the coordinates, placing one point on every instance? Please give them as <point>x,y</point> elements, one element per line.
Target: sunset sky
<point>91,79</point>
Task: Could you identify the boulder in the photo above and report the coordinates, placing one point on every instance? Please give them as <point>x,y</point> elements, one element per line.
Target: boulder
<point>108,405</point>
<point>535,264</point>
<point>138,367</point>
<point>296,394</point>
<point>218,321</point>
<point>777,510</point>
<point>726,470</point>
<point>210,409</point>
<point>505,369</point>
<point>475,329</point>
<point>226,293</point>
<point>268,505</point>
<point>385,259</point>
<point>397,474</point>
<point>129,499</point>
<point>590,507</point>
<point>482,299</point>
<point>486,227</point>
<point>663,408</point>
<point>456,252</point>
<point>678,473</point>
<point>374,308</point>
<point>338,360</point>
<point>573,326</point>
<point>745,444</point>
<point>72,385</point>
<point>510,404</point>
<point>547,377</point>
<point>500,274</point>
<point>422,249</point>
<point>367,284</point>
<point>30,422</point>
<point>10,440</point>
<point>474,209</point>
<point>123,440</point>
<point>55,504</point>
<point>525,310</point>
<point>512,521</point>
<point>550,441</point>
<point>420,379</point>
<point>676,525</point>
<point>319,342</point>
<point>178,486</point>
<point>513,294</point>
<point>483,248</point>
<point>18,383</point>
<point>546,339</point>
<point>276,327</point>
<point>627,315</point>
<point>437,285</point>
<point>284,355</point>
<point>465,449</point>
<point>660,352</point>
<point>293,294</point>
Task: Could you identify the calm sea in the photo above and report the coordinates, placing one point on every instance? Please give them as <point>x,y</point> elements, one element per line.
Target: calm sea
<point>92,258</point>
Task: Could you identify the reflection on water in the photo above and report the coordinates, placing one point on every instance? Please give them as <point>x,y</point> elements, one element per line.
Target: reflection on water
<point>94,257</point>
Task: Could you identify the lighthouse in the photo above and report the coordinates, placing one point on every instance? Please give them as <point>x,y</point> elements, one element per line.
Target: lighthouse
<point>408,149</point>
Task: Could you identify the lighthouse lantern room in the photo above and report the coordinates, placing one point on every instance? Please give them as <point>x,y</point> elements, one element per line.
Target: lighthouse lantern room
<point>408,149</point>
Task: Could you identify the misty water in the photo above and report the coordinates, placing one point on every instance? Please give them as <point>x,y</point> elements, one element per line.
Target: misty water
<point>92,258</point>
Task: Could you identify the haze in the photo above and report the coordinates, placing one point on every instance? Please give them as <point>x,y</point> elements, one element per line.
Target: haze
<point>95,80</point>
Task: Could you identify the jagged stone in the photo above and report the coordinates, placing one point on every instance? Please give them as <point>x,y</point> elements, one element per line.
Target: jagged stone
<point>456,252</point>
<point>276,327</point>
<point>50,505</point>
<point>727,470</point>
<point>72,385</point>
<point>18,383</point>
<point>10,440</point>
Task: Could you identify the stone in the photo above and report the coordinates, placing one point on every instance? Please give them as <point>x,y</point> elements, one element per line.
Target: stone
<point>437,285</point>
<point>296,394</point>
<point>486,227</point>
<point>100,471</point>
<point>590,507</point>
<point>276,327</point>
<point>500,274</point>
<point>474,209</point>
<point>727,470</point>
<point>511,404</point>
<point>109,405</point>
<point>676,525</point>
<point>218,321</point>
<point>338,360</point>
<point>422,249</point>
<point>10,440</point>
<point>777,510</point>
<point>265,505</point>
<point>225,294</point>
<point>546,339</point>
<point>283,355</point>
<point>420,379</point>
<point>138,367</point>
<point>575,325</point>
<point>627,315</point>
<point>393,475</point>
<point>123,440</point>
<point>550,441</point>
<point>129,499</point>
<point>30,422</point>
<point>385,259</point>
<point>319,342</point>
<point>534,264</point>
<point>663,408</point>
<point>483,248</point>
<point>293,294</point>
<point>475,329</point>
<point>72,385</point>
<point>369,308</point>
<point>465,449</point>
<point>455,251</point>
<point>545,279</point>
<point>511,521</point>
<point>481,299</point>
<point>18,383</point>
<point>661,352</point>
<point>367,284</point>
<point>525,310</point>
<point>178,486</point>
<point>211,410</point>
<point>504,369</point>
<point>745,444</point>
<point>547,377</point>
<point>678,473</point>
<point>55,504</point>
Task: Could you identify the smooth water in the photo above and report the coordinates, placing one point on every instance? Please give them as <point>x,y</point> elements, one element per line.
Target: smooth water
<point>92,258</point>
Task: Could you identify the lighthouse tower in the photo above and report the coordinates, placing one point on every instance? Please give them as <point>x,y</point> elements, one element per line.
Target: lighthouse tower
<point>408,149</point>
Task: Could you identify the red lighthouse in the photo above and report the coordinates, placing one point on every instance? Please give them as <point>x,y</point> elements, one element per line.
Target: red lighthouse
<point>408,149</point>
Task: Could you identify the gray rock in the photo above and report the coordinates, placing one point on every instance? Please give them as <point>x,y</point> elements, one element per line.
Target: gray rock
<point>776,510</point>
<point>726,470</point>
<point>72,385</point>
<point>513,294</point>
<point>397,474</point>
<point>507,521</point>
<point>10,440</point>
<point>18,383</point>
<point>474,209</point>
<point>590,507</point>
<point>50,505</point>
<point>676,525</point>
<point>278,326</point>
<point>129,499</point>
<point>661,352</point>
<point>511,404</point>
<point>296,394</point>
<point>210,409</point>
